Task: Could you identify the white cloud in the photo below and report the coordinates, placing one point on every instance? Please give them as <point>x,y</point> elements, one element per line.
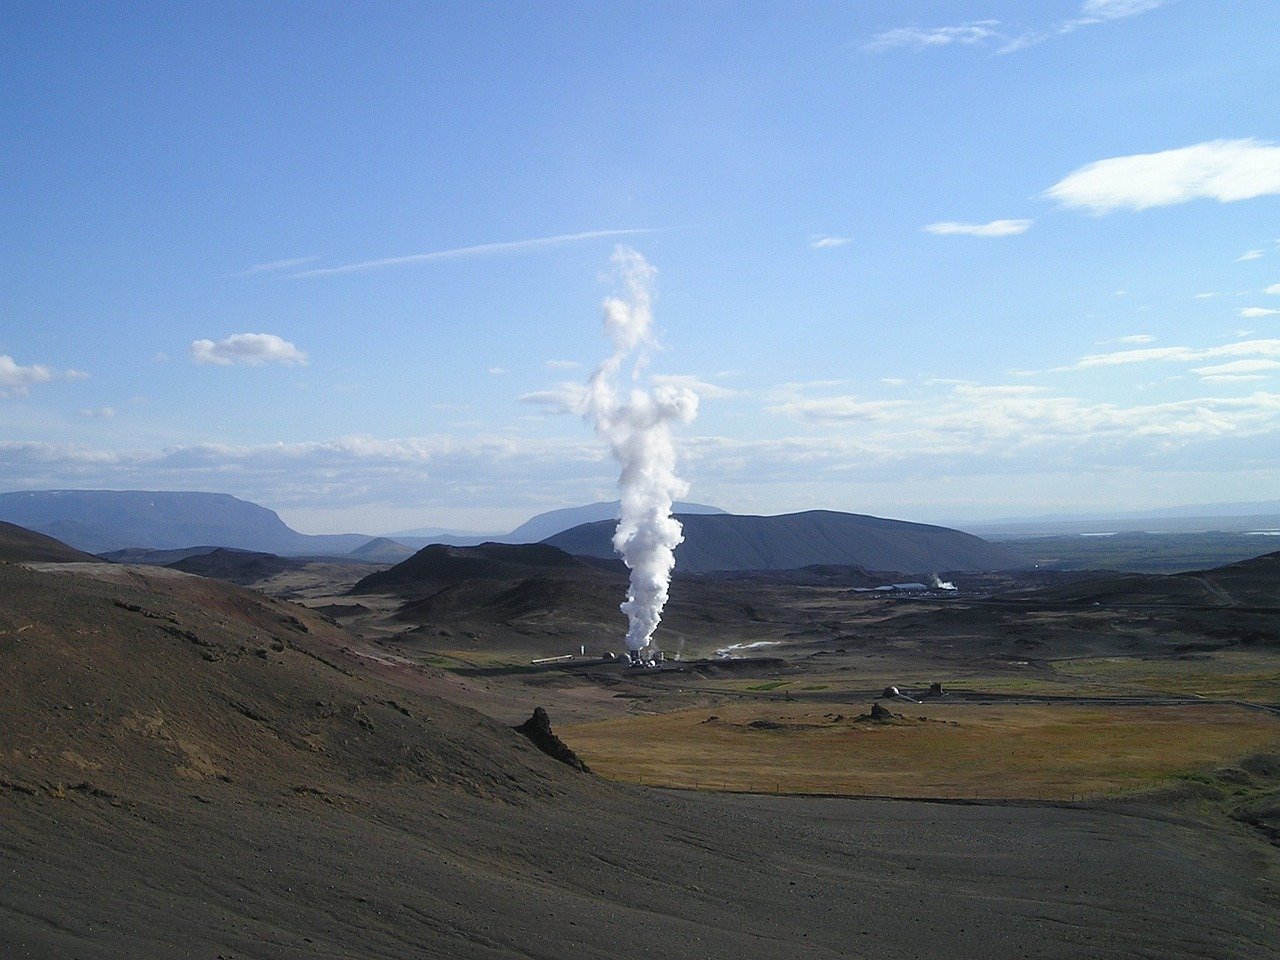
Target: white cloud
<point>1273,289</point>
<point>496,371</point>
<point>825,243</point>
<point>98,413</point>
<point>248,348</point>
<point>76,375</point>
<point>563,365</point>
<point>480,250</point>
<point>1250,255</point>
<point>921,38</point>
<point>566,397</point>
<point>1205,296</point>
<point>1222,170</point>
<point>1136,338</point>
<point>996,228</point>
<point>1254,312</point>
<point>893,381</point>
<point>17,380</point>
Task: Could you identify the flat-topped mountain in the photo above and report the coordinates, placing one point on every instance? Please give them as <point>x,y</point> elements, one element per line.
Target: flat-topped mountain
<point>100,521</point>
<point>728,542</point>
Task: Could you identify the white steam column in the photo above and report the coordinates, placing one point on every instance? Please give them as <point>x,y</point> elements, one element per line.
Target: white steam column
<point>635,420</point>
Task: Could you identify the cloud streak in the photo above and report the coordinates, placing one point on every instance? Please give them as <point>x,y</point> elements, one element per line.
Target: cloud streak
<point>1222,170</point>
<point>1242,348</point>
<point>979,33</point>
<point>923,38</point>
<point>996,228</point>
<point>276,265</point>
<point>480,250</point>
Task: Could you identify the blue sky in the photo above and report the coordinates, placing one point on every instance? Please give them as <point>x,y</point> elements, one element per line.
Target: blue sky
<point>940,261</point>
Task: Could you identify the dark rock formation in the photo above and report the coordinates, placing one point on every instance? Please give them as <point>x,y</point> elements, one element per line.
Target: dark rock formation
<point>880,713</point>
<point>538,729</point>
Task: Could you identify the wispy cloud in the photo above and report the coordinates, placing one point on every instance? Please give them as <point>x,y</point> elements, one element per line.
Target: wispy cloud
<point>1252,313</point>
<point>252,349</point>
<point>983,33</point>
<point>1250,255</point>
<point>996,228</point>
<point>1237,370</point>
<point>1222,170</point>
<point>1241,348</point>
<point>276,265</point>
<point>98,413</point>
<point>705,390</point>
<point>1136,338</point>
<point>922,38</point>
<point>824,242</point>
<point>1102,11</point>
<point>480,250</point>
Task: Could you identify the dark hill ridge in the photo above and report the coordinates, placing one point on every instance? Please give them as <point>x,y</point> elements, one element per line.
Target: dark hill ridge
<point>193,770</point>
<point>1250,583</point>
<point>438,566</point>
<point>19,545</point>
<point>382,550</point>
<point>735,543</point>
<point>236,566</point>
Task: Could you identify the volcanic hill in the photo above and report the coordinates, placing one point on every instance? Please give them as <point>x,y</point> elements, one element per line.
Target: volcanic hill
<point>18,544</point>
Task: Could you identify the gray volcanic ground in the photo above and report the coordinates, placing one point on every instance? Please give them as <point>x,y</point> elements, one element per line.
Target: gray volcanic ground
<point>190,768</point>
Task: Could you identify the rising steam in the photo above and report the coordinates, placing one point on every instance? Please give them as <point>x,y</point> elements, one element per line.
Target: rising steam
<point>636,421</point>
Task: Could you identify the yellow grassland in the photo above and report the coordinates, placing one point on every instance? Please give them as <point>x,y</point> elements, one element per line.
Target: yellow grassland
<point>940,751</point>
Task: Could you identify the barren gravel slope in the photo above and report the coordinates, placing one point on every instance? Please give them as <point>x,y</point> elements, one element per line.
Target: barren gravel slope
<point>267,790</point>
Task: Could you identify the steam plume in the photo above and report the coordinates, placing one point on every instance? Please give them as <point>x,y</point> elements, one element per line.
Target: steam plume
<point>636,423</point>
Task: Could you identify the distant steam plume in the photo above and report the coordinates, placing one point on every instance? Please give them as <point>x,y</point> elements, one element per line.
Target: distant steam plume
<point>635,420</point>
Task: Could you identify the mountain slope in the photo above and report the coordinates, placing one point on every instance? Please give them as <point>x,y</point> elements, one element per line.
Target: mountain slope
<point>730,542</point>
<point>100,521</point>
<point>19,544</point>
<point>191,769</point>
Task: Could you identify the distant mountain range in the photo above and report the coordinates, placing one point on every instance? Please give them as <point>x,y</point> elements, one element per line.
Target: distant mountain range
<point>535,529</point>
<point>727,542</point>
<point>131,524</point>
<point>1191,518</point>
